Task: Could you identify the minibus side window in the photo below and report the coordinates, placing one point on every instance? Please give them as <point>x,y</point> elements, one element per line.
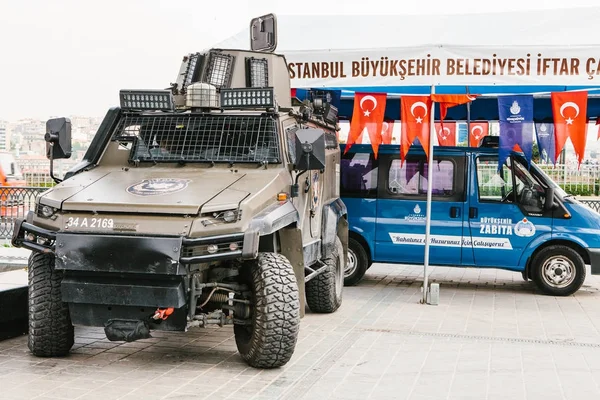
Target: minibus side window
<point>411,178</point>
<point>513,183</point>
<point>530,193</point>
<point>358,175</point>
<point>494,185</point>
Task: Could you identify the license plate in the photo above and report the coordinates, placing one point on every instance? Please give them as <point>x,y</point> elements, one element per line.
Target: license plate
<point>90,223</point>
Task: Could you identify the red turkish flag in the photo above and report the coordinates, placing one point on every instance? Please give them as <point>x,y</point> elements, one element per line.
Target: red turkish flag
<point>369,110</point>
<point>446,133</point>
<point>386,131</point>
<point>570,120</point>
<point>478,130</point>
<point>450,100</point>
<point>414,113</point>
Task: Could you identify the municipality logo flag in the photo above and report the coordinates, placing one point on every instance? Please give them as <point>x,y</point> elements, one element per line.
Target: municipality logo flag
<point>516,126</point>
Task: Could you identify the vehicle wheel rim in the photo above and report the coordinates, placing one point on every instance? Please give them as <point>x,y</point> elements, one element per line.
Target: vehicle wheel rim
<point>352,264</point>
<point>558,272</point>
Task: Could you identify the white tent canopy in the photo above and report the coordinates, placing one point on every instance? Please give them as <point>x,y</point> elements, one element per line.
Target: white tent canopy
<point>471,49</point>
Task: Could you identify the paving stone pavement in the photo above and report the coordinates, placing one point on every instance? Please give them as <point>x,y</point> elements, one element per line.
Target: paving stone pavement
<point>492,336</point>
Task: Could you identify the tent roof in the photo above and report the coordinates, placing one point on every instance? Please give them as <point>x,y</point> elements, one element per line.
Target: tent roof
<point>549,27</point>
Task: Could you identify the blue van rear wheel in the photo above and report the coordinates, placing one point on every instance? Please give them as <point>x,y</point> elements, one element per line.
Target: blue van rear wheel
<point>358,262</point>
<point>558,270</point>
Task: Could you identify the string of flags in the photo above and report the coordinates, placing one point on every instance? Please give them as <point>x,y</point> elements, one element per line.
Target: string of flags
<point>517,126</point>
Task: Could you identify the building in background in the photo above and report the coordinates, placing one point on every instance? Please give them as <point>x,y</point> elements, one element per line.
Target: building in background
<point>4,143</point>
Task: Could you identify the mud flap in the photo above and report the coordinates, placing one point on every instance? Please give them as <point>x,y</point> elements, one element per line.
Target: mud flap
<point>126,330</point>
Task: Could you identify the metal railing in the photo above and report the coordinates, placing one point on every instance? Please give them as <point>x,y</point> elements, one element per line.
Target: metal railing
<point>15,202</point>
<point>594,204</point>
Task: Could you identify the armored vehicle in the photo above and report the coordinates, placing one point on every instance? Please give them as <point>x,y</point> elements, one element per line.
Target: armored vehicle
<point>215,201</point>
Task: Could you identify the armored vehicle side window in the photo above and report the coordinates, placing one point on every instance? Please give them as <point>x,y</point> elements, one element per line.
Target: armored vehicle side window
<point>358,175</point>
<point>290,134</point>
<point>201,138</point>
<point>411,178</point>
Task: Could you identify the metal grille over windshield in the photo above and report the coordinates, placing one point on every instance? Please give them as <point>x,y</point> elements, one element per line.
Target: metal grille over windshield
<point>201,138</point>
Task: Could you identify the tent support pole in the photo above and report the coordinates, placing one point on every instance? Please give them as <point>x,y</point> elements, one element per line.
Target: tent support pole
<point>428,208</point>
<point>468,121</point>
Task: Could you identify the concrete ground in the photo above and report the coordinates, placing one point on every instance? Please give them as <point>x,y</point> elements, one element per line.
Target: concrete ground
<point>492,336</point>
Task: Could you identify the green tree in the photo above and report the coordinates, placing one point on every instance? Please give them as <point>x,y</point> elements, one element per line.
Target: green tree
<point>536,153</point>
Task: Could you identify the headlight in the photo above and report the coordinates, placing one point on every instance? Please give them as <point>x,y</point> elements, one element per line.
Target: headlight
<point>229,216</point>
<point>46,211</point>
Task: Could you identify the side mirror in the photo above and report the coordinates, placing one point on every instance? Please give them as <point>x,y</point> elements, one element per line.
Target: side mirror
<point>549,203</point>
<point>58,138</point>
<point>310,149</point>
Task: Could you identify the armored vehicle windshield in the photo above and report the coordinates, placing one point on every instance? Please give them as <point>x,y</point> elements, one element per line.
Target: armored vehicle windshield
<point>201,138</point>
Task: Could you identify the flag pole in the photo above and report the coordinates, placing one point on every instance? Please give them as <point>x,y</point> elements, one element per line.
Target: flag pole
<point>429,190</point>
<point>468,121</point>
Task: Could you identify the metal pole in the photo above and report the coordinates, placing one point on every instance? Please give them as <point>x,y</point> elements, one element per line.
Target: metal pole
<point>428,208</point>
<point>468,121</point>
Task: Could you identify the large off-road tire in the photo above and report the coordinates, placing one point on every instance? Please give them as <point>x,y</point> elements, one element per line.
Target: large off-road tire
<point>324,291</point>
<point>51,332</point>
<point>270,340</point>
<point>358,263</point>
<point>558,270</point>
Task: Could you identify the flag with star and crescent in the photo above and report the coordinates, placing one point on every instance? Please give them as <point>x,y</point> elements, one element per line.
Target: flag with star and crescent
<point>368,113</point>
<point>516,126</point>
<point>569,110</point>
<point>446,133</point>
<point>414,114</point>
<point>478,130</point>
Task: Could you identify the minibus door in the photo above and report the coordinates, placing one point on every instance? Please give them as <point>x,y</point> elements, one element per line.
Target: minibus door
<point>402,205</point>
<point>506,211</point>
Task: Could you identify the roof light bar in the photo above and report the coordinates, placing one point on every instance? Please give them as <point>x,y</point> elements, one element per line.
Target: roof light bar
<point>247,98</point>
<point>146,100</point>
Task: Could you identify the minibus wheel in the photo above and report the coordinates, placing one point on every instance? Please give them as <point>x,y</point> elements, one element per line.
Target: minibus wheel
<point>558,270</point>
<point>358,262</point>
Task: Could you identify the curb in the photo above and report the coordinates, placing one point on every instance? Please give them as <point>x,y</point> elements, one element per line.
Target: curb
<point>12,266</point>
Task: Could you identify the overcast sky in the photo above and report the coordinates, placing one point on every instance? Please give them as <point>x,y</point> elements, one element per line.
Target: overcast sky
<point>71,57</point>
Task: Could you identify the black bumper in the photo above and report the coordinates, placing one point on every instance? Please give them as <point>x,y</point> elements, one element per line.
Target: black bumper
<point>595,260</point>
<point>122,253</point>
<point>111,277</point>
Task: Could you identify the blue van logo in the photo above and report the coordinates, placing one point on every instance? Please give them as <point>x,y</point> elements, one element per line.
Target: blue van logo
<point>524,228</point>
<point>416,216</point>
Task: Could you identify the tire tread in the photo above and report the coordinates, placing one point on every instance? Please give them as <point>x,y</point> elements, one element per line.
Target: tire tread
<point>51,333</point>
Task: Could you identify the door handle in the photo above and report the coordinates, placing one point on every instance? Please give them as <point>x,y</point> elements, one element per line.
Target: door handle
<point>454,212</point>
<point>472,212</point>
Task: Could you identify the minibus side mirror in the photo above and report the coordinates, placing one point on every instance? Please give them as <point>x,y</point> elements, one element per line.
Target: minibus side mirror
<point>550,204</point>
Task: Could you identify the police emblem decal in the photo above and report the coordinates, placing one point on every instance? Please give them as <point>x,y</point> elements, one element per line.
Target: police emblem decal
<point>158,186</point>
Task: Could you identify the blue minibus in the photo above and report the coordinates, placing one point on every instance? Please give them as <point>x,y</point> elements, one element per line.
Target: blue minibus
<point>514,217</point>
